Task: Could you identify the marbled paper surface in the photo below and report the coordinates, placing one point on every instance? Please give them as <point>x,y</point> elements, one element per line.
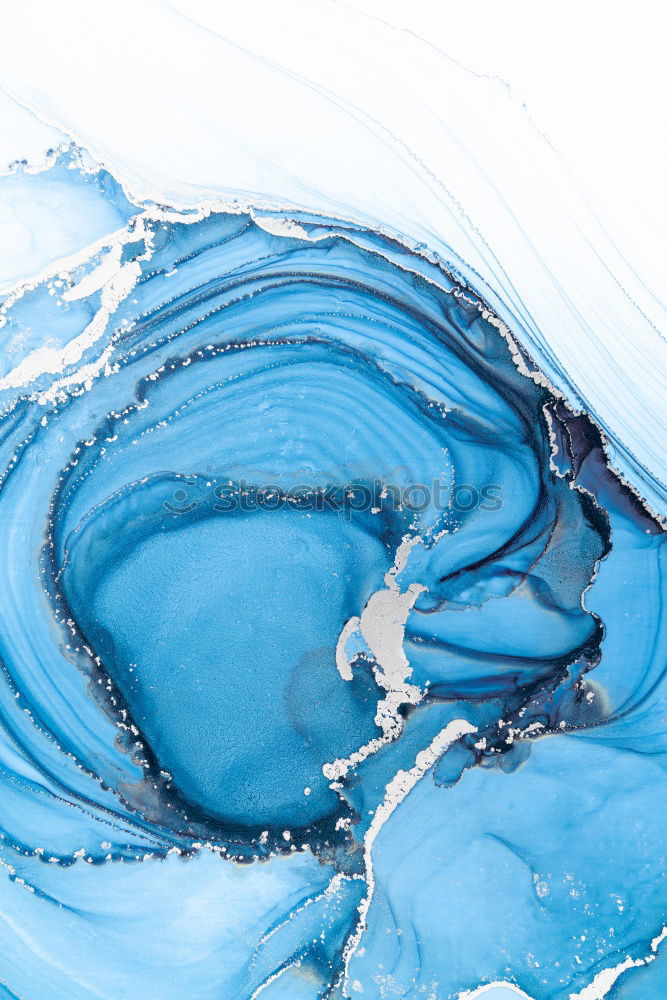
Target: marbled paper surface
<point>332,501</point>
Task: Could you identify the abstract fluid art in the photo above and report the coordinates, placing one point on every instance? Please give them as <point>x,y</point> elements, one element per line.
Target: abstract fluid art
<point>332,636</point>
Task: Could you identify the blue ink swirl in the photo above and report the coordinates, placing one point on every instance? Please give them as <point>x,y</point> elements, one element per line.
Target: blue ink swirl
<point>276,424</point>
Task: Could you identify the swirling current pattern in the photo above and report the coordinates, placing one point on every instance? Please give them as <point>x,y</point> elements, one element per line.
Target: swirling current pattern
<point>332,650</point>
